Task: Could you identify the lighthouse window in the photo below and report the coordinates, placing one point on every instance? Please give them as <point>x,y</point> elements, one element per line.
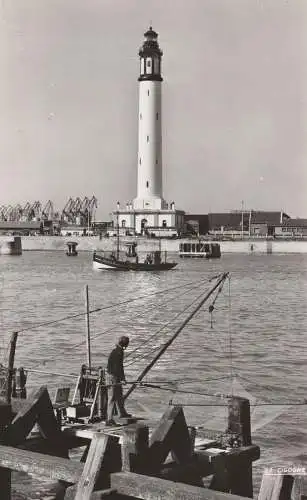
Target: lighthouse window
<point>157,116</point>
<point>147,184</point>
<point>148,63</point>
<point>140,161</point>
<point>148,138</point>
<point>164,223</point>
<point>156,65</point>
<point>156,161</point>
<point>141,116</point>
<point>147,92</point>
<point>123,223</point>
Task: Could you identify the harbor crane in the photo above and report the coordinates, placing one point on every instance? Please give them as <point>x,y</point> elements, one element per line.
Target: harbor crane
<point>78,211</point>
<point>48,211</point>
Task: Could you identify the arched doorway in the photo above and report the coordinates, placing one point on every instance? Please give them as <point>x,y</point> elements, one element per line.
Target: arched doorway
<point>143,226</point>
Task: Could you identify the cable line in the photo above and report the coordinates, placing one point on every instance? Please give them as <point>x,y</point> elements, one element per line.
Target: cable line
<point>171,340</point>
<point>98,309</point>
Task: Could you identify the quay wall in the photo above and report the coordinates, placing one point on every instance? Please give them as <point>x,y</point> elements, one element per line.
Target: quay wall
<point>91,243</point>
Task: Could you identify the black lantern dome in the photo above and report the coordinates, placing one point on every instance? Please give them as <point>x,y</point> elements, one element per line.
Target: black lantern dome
<point>150,57</point>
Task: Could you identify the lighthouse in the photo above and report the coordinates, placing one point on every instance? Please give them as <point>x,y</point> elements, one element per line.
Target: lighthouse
<point>149,214</point>
<point>149,168</point>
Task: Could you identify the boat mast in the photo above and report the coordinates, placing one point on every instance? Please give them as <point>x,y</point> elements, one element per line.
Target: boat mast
<point>171,340</point>
<point>117,232</point>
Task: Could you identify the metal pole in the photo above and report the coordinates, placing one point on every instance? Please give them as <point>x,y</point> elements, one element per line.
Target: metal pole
<point>242,221</point>
<point>87,323</point>
<point>171,340</point>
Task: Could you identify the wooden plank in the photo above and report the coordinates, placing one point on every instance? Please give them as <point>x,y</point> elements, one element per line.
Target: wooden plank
<point>42,465</point>
<point>276,487</point>
<point>92,466</point>
<point>153,488</point>
<point>41,445</point>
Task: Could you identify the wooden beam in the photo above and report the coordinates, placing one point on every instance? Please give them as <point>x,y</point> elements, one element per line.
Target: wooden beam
<point>36,409</point>
<point>171,434</point>
<point>276,487</point>
<point>153,488</point>
<point>92,467</point>
<point>5,473</point>
<point>45,466</point>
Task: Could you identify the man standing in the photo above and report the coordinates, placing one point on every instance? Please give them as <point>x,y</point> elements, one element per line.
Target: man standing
<point>115,376</point>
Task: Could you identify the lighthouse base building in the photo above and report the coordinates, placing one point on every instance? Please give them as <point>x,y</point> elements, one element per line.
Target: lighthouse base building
<point>149,214</point>
<point>165,222</point>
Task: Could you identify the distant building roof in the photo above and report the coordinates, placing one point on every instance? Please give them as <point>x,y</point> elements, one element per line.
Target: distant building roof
<point>230,219</point>
<point>295,223</point>
<point>271,218</point>
<point>234,219</point>
<point>16,226</point>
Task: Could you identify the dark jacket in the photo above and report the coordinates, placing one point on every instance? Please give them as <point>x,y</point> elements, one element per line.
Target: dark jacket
<point>116,363</point>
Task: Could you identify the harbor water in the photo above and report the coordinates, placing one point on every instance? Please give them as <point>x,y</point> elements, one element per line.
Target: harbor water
<point>254,344</point>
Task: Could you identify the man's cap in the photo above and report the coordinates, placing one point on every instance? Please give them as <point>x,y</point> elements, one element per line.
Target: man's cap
<point>123,341</point>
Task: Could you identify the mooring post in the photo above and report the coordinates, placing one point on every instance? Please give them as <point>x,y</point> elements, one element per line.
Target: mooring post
<point>239,424</point>
<point>134,448</point>
<point>87,323</point>
<point>239,421</point>
<point>11,367</point>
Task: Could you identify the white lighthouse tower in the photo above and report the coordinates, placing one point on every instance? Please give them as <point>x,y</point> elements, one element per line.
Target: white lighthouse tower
<point>149,178</point>
<point>149,213</point>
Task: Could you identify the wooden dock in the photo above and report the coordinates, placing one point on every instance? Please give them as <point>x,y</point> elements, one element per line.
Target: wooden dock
<point>164,459</point>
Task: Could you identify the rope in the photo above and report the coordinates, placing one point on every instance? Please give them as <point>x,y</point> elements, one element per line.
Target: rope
<point>137,316</point>
<point>99,309</point>
<point>150,385</point>
<point>219,395</point>
<point>144,356</point>
<point>139,357</point>
<point>108,330</point>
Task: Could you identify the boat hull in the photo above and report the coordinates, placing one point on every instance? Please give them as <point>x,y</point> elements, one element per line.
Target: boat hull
<point>105,264</point>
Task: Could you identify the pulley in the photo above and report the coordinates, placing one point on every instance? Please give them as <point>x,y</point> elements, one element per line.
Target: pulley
<point>211,309</point>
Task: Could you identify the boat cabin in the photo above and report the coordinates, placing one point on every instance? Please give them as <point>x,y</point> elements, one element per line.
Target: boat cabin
<point>131,249</point>
<point>72,252</point>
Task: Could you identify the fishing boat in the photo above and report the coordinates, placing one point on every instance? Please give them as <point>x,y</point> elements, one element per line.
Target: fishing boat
<point>200,249</point>
<point>111,261</point>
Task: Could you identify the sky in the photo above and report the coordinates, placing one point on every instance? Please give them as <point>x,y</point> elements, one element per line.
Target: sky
<point>234,102</point>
